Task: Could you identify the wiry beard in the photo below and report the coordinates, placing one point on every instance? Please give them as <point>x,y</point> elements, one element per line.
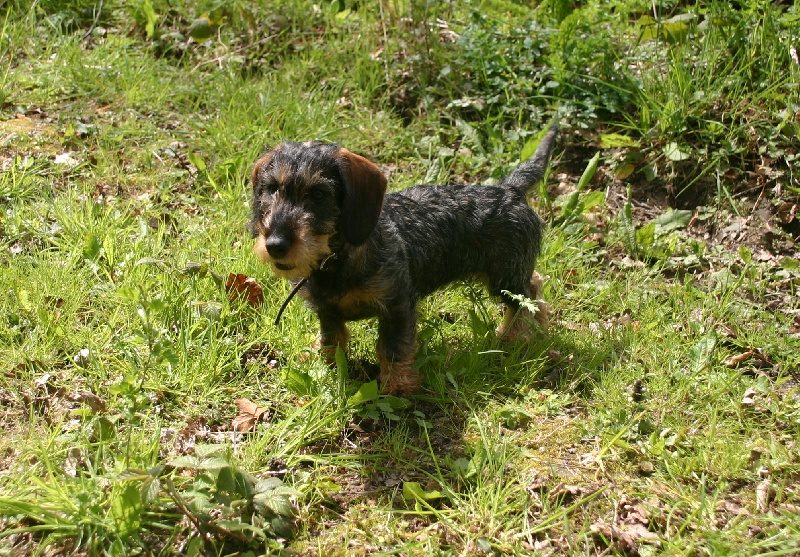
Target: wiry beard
<point>304,257</point>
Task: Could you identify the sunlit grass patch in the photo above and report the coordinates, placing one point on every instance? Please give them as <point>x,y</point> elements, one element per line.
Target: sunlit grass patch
<point>148,407</point>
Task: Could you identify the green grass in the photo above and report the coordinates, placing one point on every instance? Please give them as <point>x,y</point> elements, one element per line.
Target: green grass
<point>125,149</point>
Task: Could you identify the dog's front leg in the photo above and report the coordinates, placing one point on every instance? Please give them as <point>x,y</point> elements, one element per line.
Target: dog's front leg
<point>397,346</point>
<point>333,332</point>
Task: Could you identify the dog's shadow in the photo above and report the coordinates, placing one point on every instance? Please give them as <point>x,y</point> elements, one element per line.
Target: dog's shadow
<point>433,440</point>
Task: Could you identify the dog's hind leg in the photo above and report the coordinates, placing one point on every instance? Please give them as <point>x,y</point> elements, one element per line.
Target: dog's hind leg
<point>397,347</point>
<point>519,320</point>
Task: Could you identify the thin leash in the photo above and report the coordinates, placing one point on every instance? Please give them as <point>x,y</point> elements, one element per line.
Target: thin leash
<point>296,289</point>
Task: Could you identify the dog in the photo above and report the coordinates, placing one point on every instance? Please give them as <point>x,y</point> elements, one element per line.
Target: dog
<point>321,220</point>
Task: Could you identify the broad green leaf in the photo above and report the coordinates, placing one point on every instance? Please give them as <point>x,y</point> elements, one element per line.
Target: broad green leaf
<point>395,403</point>
<point>300,383</point>
<point>213,463</point>
<point>268,484</point>
<point>226,480</point>
<point>151,18</point>
<point>513,418</point>
<point>201,30</point>
<point>465,467</point>
<point>789,263</point>
<point>185,461</point>
<point>700,354</point>
<point>126,508</point>
<point>209,310</point>
<point>645,20</point>
<point>195,547</point>
<point>91,247</point>
<point>593,199</point>
<point>104,429</point>
<point>674,153</point>
<point>570,205</point>
<point>129,293</point>
<point>532,144</point>
<point>282,525</point>
<point>132,474</point>
<point>196,160</point>
<point>646,235</point>
<point>589,171</point>
<point>612,140</point>
<point>413,491</point>
<point>156,471</point>
<point>24,300</point>
<point>367,391</point>
<point>149,490</point>
<point>342,15</point>
<point>624,170</point>
<point>673,219</point>
<point>278,504</point>
<point>193,268</point>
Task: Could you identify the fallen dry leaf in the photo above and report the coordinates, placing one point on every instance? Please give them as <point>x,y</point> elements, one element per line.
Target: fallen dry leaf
<point>789,508</point>
<point>249,414</point>
<point>626,537</point>
<point>732,507</point>
<point>733,361</point>
<point>787,212</point>
<point>65,159</point>
<point>82,359</point>
<point>94,402</point>
<point>763,495</point>
<point>242,285</point>
<point>795,328</point>
<point>749,398</point>
<point>74,462</point>
<point>633,534</point>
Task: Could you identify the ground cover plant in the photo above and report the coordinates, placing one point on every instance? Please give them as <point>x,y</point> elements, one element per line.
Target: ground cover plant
<point>150,406</point>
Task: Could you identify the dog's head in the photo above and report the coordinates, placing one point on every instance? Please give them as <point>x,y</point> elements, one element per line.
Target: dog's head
<point>307,194</point>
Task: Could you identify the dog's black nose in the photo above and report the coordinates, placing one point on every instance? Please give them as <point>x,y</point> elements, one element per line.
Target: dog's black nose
<point>278,246</point>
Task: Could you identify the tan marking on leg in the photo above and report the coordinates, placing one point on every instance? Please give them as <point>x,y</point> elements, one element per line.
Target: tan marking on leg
<point>327,343</point>
<point>517,325</point>
<point>544,310</point>
<point>326,347</point>
<point>398,377</point>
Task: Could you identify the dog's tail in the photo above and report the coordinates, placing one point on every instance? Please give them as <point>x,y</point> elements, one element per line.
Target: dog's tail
<point>531,172</point>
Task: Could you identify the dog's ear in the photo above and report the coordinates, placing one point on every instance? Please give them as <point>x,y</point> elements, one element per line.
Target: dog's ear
<point>364,185</point>
<point>260,164</point>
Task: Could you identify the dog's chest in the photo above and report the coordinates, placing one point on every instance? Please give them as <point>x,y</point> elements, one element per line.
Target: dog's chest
<point>349,303</point>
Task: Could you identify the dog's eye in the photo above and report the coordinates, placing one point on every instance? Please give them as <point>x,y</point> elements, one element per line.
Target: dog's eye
<point>271,187</point>
<point>317,195</point>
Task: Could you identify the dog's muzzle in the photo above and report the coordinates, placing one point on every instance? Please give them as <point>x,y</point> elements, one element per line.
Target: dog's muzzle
<point>278,245</point>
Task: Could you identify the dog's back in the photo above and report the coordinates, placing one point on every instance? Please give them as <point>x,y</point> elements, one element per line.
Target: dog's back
<point>457,232</point>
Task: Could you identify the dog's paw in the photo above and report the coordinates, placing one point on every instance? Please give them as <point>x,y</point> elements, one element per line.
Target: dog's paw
<point>327,353</point>
<point>524,324</point>
<point>398,379</point>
